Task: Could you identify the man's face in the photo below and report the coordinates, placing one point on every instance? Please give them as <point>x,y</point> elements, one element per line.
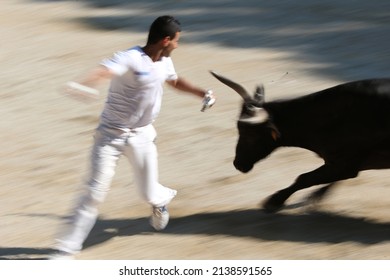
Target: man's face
<point>171,45</point>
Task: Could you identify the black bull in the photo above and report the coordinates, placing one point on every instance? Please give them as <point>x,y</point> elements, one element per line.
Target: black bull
<point>348,126</point>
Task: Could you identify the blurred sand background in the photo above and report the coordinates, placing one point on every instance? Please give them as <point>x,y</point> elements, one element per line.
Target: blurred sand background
<point>293,47</point>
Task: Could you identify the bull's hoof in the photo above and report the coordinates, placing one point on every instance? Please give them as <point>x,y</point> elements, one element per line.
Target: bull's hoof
<point>272,205</point>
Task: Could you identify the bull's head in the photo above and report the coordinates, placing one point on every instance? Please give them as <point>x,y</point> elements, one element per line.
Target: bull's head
<point>257,134</point>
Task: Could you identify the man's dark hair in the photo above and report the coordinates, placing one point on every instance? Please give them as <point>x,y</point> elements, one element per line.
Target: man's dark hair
<point>162,27</point>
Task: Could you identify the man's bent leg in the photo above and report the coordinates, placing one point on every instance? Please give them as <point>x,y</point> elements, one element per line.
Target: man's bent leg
<point>142,154</point>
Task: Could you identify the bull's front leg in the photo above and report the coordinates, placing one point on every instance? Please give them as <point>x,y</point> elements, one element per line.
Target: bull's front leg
<point>325,174</point>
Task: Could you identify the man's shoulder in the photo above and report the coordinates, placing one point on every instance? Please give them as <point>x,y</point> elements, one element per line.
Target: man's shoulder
<point>133,51</point>
<point>127,56</point>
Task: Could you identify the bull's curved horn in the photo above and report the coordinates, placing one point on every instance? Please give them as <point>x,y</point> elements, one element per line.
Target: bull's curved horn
<point>238,88</point>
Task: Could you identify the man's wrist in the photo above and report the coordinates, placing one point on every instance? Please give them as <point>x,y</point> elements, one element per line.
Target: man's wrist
<point>207,92</point>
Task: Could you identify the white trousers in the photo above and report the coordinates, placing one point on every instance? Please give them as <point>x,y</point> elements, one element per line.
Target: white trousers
<point>139,147</point>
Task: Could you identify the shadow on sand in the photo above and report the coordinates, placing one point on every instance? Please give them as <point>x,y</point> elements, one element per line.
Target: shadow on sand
<point>310,228</point>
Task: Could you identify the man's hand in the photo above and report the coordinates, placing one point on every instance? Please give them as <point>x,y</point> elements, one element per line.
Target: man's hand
<point>208,100</point>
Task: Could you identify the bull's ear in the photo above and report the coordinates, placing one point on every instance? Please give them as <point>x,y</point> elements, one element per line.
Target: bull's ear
<point>259,95</point>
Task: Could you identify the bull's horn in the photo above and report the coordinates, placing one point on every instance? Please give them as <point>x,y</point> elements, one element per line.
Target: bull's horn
<point>259,94</point>
<point>260,116</point>
<point>238,88</point>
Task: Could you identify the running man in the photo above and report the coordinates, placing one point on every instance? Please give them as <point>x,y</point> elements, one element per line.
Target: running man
<point>126,128</point>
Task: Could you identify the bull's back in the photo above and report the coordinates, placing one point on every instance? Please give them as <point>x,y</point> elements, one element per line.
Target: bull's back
<point>349,98</point>
<point>343,120</point>
<point>361,106</point>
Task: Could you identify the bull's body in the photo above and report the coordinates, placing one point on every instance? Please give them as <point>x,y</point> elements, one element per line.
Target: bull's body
<point>347,125</point>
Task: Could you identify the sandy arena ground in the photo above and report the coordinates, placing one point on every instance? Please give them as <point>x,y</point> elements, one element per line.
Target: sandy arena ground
<point>294,49</point>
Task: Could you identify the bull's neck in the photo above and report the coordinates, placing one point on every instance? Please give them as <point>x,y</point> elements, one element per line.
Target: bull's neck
<point>292,124</point>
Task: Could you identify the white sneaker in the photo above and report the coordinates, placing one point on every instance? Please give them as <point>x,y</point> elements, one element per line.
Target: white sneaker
<point>160,218</point>
<point>61,255</point>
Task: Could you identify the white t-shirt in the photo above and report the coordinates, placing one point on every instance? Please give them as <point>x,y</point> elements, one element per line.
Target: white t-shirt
<point>135,94</point>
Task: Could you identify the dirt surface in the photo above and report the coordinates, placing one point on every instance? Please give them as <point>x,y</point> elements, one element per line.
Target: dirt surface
<point>294,49</point>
